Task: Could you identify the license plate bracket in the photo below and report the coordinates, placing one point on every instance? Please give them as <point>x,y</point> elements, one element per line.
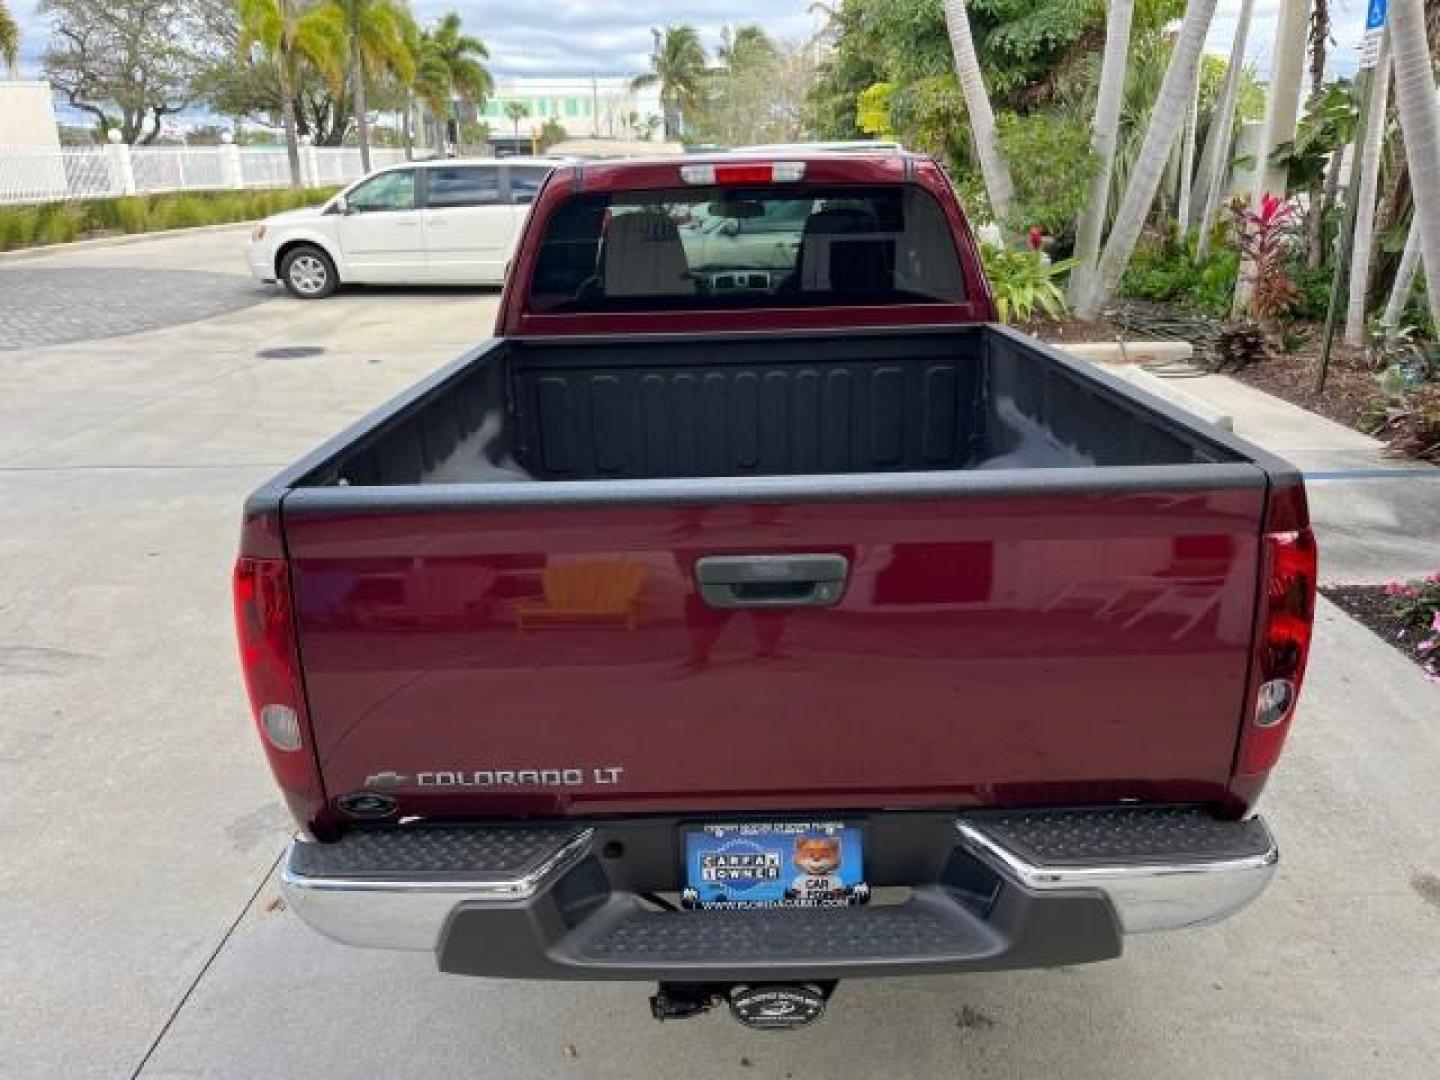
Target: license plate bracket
<point>788,864</point>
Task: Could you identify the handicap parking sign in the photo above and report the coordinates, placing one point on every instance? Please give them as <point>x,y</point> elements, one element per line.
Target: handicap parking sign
<point>1375,15</point>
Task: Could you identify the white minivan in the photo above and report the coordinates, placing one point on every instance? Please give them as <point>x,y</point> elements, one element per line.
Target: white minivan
<point>443,222</point>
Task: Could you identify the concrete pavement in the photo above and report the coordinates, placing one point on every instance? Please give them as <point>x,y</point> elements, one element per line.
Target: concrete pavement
<point>138,825</point>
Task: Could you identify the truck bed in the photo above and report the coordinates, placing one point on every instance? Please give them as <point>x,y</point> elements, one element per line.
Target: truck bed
<point>964,398</point>
<point>1050,585</point>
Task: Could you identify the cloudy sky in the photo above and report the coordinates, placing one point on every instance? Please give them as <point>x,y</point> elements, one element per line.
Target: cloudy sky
<point>611,37</point>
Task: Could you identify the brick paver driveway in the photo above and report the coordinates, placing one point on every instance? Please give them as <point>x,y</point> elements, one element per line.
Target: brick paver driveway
<point>51,305</point>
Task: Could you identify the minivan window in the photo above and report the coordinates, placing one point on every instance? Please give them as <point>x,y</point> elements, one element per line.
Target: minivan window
<point>455,185</point>
<point>780,246</point>
<point>389,191</point>
<point>525,182</point>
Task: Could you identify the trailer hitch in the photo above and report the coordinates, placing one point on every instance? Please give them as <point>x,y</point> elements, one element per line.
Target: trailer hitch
<point>761,1006</point>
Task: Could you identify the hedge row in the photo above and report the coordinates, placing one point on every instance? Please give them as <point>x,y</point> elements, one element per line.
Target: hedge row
<point>59,223</point>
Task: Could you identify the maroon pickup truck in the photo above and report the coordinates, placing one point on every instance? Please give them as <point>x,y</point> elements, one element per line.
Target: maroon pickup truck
<point>754,612</point>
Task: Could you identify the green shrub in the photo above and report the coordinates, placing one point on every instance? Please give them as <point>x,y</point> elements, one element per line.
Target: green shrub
<point>58,223</point>
<point>1169,274</point>
<point>1024,281</point>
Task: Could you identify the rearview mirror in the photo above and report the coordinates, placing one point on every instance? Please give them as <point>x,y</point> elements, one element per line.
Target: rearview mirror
<point>339,205</point>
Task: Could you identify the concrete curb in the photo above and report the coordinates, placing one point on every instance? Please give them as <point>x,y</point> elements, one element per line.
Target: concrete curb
<point>1127,352</point>
<point>120,241</point>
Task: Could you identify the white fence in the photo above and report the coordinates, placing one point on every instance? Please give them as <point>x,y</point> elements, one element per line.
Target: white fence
<point>88,172</point>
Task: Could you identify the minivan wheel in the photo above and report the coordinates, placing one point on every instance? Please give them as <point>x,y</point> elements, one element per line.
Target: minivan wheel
<point>308,272</point>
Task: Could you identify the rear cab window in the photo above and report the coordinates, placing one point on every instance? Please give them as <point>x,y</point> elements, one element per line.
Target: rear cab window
<point>755,247</point>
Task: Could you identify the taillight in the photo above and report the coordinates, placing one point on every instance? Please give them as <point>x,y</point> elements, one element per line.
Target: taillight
<point>1283,643</point>
<point>265,625</point>
<point>765,172</point>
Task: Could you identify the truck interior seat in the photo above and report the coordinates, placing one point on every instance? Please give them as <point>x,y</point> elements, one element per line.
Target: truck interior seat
<point>644,256</point>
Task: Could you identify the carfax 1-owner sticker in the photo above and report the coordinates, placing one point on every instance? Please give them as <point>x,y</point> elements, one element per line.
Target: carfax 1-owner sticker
<point>774,864</point>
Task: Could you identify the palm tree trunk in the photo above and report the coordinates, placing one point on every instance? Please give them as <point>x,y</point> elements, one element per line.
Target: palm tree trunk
<point>1165,121</point>
<point>1187,157</point>
<point>1420,124</point>
<point>1365,198</point>
<point>406,134</point>
<point>1404,282</point>
<point>982,118</point>
<point>362,127</point>
<point>1282,108</point>
<point>287,118</point>
<point>1102,141</point>
<point>1222,130</point>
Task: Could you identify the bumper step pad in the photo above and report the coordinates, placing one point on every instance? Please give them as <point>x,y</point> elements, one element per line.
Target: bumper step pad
<point>1124,836</point>
<point>434,852</point>
<point>767,937</point>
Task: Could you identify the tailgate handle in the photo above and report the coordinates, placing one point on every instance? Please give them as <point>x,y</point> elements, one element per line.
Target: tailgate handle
<point>772,581</point>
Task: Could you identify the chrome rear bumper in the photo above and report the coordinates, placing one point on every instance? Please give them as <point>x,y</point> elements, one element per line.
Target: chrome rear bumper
<point>390,910</point>
<point>1021,889</point>
<point>1158,890</point>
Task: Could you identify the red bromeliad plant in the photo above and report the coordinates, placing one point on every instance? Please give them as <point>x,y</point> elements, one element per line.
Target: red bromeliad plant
<point>1267,238</point>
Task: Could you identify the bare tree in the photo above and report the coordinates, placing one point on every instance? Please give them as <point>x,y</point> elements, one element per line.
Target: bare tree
<point>128,63</point>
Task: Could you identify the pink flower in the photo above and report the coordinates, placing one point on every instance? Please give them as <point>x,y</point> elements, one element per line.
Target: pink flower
<point>1435,622</point>
<point>1394,588</point>
<point>1427,645</point>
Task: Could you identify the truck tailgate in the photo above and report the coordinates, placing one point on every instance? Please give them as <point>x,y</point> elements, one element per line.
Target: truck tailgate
<point>988,648</point>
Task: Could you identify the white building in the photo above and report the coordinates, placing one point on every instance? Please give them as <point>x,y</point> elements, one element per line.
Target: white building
<point>587,107</point>
<point>27,124</point>
<point>27,116</point>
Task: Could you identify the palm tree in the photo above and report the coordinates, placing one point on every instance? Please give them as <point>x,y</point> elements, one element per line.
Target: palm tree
<point>1222,129</point>
<point>288,36</point>
<point>1404,282</point>
<point>375,43</point>
<point>1420,124</point>
<point>1165,121</point>
<point>457,57</point>
<point>1102,141</point>
<point>1187,157</point>
<point>1370,154</point>
<point>748,44</point>
<point>982,118</point>
<point>516,111</point>
<point>677,66</point>
<point>1282,107</point>
<point>430,84</point>
<point>9,38</point>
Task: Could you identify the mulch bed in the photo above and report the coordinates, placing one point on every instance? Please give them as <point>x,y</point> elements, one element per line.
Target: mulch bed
<point>1369,605</point>
<point>1073,331</point>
